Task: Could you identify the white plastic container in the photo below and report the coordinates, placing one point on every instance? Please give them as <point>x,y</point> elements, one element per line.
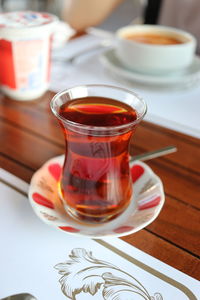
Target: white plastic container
<point>25,47</point>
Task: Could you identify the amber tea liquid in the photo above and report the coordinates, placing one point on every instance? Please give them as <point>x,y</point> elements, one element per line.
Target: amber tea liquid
<point>95,184</point>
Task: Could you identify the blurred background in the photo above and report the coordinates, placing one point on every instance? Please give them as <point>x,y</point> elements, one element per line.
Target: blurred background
<point>163,12</point>
<point>127,12</point>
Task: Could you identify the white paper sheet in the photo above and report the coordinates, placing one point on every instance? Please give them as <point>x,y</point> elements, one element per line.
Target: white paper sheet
<point>91,269</point>
<point>174,109</point>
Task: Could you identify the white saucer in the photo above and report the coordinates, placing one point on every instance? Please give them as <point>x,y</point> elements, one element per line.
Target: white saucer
<point>148,194</point>
<point>189,77</point>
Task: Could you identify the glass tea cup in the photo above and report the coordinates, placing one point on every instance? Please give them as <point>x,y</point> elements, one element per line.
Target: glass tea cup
<point>98,122</point>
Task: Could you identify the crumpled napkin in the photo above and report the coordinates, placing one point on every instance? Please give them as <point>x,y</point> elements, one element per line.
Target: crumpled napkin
<point>62,33</point>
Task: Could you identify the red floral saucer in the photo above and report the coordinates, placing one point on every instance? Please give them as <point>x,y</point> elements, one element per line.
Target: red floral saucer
<point>148,196</point>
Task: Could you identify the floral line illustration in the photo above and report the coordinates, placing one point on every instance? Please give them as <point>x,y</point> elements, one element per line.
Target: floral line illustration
<point>85,273</point>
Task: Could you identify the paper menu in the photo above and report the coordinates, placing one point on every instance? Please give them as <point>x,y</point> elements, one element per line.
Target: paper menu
<point>32,254</point>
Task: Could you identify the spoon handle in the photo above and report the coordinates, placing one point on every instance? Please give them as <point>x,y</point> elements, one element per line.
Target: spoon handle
<point>154,154</point>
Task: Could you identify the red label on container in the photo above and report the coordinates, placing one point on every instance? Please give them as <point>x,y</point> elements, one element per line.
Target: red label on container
<point>7,73</point>
<point>24,64</point>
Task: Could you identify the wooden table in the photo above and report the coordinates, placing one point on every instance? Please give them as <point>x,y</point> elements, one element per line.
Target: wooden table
<point>30,135</point>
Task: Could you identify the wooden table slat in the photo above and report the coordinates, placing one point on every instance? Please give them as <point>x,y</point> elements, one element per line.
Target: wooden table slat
<point>186,189</point>
<point>187,156</point>
<point>16,169</point>
<point>179,224</point>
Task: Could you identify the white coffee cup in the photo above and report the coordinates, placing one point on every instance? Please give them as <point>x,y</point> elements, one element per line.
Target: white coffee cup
<point>152,58</point>
<point>25,46</point>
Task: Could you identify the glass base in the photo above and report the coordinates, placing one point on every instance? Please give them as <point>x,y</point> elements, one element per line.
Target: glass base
<point>88,218</point>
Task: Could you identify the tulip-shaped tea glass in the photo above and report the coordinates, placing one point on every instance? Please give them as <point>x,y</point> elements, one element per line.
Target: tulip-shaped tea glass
<point>98,122</point>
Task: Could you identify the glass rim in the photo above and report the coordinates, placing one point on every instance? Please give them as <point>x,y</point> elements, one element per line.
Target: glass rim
<point>98,128</point>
